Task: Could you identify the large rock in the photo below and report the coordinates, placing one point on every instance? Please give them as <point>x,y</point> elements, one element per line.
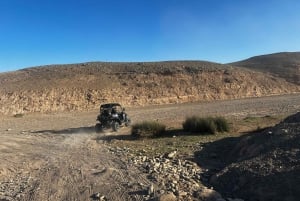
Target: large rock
<point>207,194</point>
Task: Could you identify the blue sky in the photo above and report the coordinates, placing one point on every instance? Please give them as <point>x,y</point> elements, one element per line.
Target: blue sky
<point>42,32</point>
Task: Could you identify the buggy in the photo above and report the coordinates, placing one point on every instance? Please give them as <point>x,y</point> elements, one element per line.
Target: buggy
<point>112,115</point>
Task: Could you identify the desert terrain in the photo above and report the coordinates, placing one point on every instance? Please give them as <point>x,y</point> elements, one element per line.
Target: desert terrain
<point>60,157</point>
<point>83,87</point>
<point>49,149</point>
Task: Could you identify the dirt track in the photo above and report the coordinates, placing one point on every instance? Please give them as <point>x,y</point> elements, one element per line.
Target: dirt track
<point>56,156</point>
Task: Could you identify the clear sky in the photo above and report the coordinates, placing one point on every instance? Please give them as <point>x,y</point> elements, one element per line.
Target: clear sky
<point>42,32</point>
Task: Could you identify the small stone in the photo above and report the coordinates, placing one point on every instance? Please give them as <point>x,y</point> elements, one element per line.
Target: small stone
<point>179,163</point>
<point>285,130</point>
<point>102,198</point>
<point>160,192</point>
<point>144,158</point>
<point>151,190</point>
<point>208,194</point>
<point>182,193</point>
<point>171,155</point>
<point>167,197</point>
<point>97,195</point>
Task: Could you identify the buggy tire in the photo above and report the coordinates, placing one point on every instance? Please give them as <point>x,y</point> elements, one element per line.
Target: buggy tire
<point>127,123</point>
<point>115,126</point>
<point>98,128</point>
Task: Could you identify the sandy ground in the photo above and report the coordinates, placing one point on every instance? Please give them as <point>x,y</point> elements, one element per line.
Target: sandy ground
<point>56,156</point>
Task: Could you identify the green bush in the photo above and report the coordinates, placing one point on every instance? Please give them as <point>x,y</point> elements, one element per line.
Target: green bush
<point>148,129</point>
<point>207,125</point>
<point>222,124</point>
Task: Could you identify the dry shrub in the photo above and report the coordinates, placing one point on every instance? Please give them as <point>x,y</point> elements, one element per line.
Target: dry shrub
<point>148,129</point>
<point>205,125</point>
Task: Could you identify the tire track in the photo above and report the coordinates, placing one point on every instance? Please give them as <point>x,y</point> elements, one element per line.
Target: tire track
<point>79,167</point>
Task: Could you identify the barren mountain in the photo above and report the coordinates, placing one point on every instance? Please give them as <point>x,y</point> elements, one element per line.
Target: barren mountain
<point>85,86</point>
<point>285,65</point>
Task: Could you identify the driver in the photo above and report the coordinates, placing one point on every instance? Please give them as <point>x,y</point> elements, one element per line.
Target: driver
<point>123,114</point>
<point>114,110</point>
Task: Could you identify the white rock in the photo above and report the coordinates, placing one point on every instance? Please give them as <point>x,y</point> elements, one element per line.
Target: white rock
<point>171,155</point>
<point>151,189</point>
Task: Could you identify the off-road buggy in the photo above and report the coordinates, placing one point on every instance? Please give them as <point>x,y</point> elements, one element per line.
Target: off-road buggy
<point>112,115</point>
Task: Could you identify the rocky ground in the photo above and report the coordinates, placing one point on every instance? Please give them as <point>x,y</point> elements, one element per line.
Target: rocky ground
<point>59,157</point>
<point>263,165</point>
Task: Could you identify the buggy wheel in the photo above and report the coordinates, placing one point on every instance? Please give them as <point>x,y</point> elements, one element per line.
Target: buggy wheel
<point>115,126</point>
<point>127,123</point>
<point>98,128</point>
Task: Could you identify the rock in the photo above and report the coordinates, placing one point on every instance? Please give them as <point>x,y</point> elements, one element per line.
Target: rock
<point>167,197</point>
<point>179,162</point>
<point>207,194</point>
<point>151,190</point>
<point>6,198</point>
<point>171,155</point>
<point>182,193</point>
<point>96,196</point>
<point>160,192</point>
<point>102,198</point>
<point>177,177</point>
<point>144,158</point>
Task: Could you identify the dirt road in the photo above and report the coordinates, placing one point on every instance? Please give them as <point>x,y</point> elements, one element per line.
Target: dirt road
<point>56,156</point>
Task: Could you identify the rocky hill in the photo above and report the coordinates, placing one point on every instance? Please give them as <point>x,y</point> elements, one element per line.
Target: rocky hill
<point>87,85</point>
<point>285,65</point>
<point>262,166</point>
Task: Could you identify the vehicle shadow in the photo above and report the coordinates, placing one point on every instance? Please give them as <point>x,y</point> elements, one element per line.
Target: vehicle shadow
<point>128,136</point>
<point>70,131</point>
<point>110,137</point>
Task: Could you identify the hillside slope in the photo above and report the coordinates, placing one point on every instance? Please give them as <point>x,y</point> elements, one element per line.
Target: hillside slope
<point>86,86</point>
<point>264,165</point>
<point>285,65</point>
